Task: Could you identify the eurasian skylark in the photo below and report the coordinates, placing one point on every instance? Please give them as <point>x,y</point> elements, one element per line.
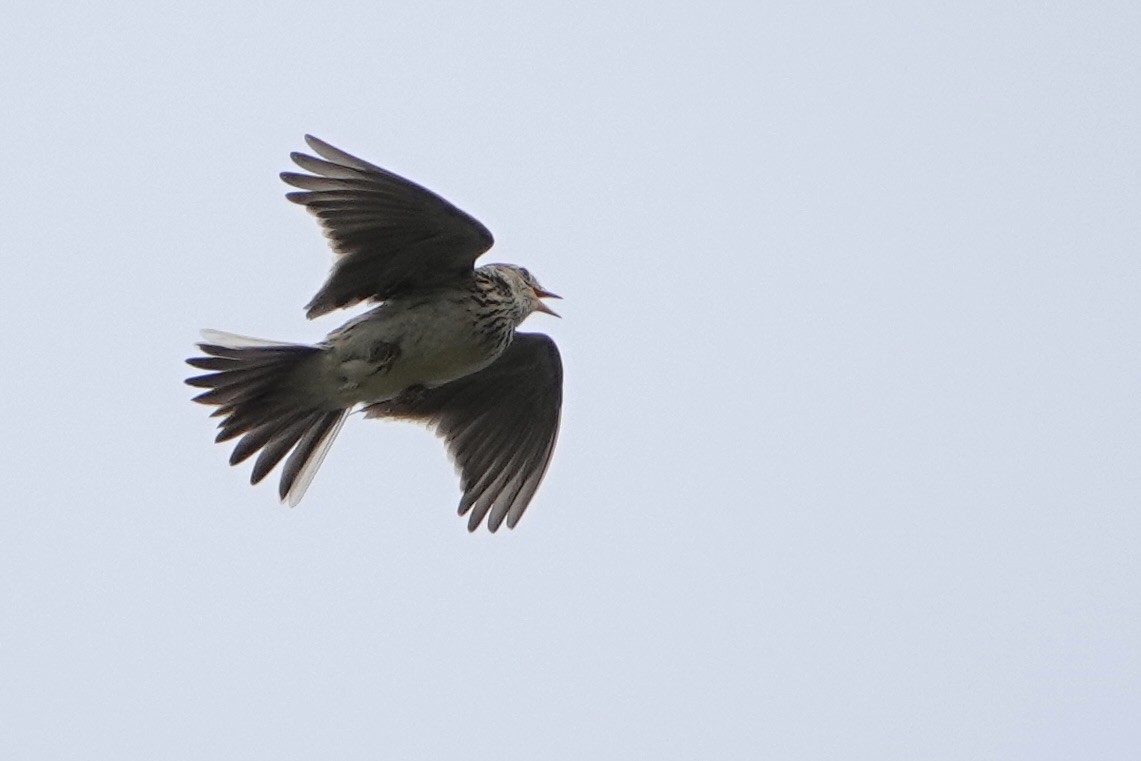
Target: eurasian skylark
<point>441,349</point>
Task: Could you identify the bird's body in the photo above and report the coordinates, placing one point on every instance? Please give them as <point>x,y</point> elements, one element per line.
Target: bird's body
<point>425,342</point>
<point>435,350</point>
<point>425,339</point>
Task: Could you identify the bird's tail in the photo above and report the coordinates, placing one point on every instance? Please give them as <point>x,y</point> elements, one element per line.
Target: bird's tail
<point>261,391</point>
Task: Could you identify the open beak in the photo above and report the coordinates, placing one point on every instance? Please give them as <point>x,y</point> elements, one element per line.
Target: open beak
<point>543,307</point>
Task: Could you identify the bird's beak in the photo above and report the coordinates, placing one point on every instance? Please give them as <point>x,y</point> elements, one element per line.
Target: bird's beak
<point>543,307</point>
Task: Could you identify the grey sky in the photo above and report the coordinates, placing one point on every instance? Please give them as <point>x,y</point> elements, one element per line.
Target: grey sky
<point>851,456</point>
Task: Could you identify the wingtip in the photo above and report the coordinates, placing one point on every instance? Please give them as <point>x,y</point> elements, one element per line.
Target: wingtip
<point>295,179</point>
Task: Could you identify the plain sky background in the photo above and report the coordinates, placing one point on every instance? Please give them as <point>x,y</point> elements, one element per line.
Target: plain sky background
<point>850,465</point>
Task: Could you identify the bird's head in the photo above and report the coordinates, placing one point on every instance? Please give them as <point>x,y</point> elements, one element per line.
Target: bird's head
<point>525,290</point>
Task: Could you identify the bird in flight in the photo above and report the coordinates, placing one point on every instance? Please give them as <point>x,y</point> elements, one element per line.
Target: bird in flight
<point>441,348</point>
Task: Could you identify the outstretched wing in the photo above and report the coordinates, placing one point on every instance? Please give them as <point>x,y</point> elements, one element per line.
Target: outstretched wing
<point>499,424</point>
<point>391,235</point>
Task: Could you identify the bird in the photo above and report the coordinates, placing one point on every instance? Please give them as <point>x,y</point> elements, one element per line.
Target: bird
<point>439,346</point>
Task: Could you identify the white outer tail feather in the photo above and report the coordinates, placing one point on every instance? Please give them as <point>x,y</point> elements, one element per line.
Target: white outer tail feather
<point>313,464</point>
<point>235,341</point>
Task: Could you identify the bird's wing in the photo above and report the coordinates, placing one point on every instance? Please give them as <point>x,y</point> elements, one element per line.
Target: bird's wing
<point>390,234</point>
<point>499,424</point>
